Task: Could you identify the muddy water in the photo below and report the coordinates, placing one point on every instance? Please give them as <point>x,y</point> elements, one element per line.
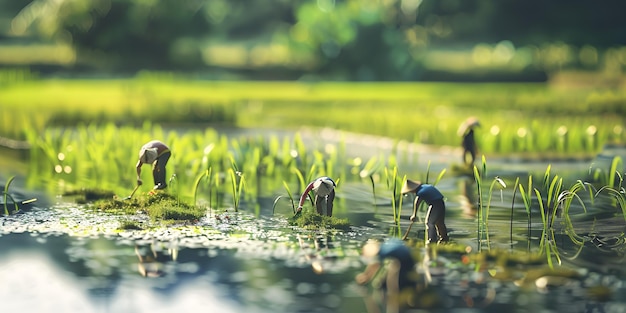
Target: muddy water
<point>64,257</point>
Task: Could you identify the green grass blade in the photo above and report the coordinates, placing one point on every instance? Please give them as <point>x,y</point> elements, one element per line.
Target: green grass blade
<point>513,209</point>
<point>617,161</point>
<point>440,176</point>
<point>7,195</point>
<point>543,218</point>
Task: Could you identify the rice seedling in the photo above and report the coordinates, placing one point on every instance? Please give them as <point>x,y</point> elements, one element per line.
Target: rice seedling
<point>291,199</point>
<point>527,198</point>
<point>547,234</point>
<point>618,195</point>
<point>566,198</point>
<point>478,177</point>
<point>371,168</point>
<point>555,197</point>
<point>552,188</point>
<point>606,176</point>
<point>196,186</point>
<point>174,181</point>
<point>301,182</point>
<point>513,209</point>
<point>394,185</point>
<point>8,196</point>
<point>497,181</point>
<point>237,181</point>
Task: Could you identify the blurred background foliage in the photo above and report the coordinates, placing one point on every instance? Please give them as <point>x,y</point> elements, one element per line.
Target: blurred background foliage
<point>355,40</point>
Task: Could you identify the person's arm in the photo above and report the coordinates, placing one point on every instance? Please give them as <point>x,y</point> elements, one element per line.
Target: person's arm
<point>416,205</point>
<point>369,273</point>
<point>304,196</point>
<point>138,168</point>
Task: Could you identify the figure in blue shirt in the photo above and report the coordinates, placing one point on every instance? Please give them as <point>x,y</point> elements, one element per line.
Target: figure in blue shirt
<point>401,270</point>
<point>436,214</point>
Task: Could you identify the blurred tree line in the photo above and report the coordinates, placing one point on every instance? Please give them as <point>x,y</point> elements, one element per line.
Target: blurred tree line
<point>328,39</point>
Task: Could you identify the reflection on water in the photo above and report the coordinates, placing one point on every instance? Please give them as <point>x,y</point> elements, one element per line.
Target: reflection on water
<point>51,260</point>
<point>44,273</point>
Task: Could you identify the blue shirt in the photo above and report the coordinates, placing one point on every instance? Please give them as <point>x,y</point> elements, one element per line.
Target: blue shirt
<point>395,248</point>
<point>429,193</point>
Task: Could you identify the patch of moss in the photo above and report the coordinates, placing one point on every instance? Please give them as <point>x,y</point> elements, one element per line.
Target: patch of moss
<point>130,225</point>
<point>86,195</point>
<point>160,206</point>
<point>311,220</point>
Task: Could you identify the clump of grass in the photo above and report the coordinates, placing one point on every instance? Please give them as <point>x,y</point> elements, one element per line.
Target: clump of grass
<point>159,206</point>
<point>129,225</point>
<point>311,220</point>
<point>87,195</point>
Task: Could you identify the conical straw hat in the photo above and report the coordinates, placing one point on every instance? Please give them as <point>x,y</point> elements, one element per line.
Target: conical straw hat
<point>410,186</point>
<point>470,122</point>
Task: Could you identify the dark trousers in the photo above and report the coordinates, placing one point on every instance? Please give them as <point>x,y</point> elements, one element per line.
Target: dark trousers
<point>435,221</point>
<point>326,202</point>
<point>158,168</point>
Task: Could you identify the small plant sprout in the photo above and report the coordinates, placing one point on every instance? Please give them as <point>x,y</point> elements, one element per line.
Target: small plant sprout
<point>237,181</point>
<point>174,181</point>
<point>502,186</point>
<point>289,195</point>
<point>7,195</point>
<point>301,181</point>
<point>205,175</point>
<point>478,180</point>
<point>370,169</point>
<point>566,198</point>
<point>527,198</point>
<point>513,208</point>
<point>619,196</point>
<point>497,181</point>
<point>396,201</point>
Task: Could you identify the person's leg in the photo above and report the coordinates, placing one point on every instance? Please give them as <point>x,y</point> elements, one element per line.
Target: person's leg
<point>440,224</point>
<point>320,202</point>
<point>329,203</point>
<point>431,217</point>
<point>158,170</point>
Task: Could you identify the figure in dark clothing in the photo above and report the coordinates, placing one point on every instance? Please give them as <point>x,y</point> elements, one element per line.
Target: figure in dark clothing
<point>401,268</point>
<point>466,130</point>
<point>436,213</point>
<point>324,190</point>
<point>157,154</point>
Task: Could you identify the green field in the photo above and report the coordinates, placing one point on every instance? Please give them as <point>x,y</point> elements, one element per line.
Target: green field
<point>516,118</point>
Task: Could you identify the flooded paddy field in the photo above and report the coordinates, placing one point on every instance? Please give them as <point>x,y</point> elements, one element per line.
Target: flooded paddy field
<point>67,256</point>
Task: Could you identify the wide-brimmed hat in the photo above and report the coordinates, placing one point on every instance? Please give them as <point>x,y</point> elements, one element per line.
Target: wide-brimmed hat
<point>469,123</point>
<point>410,186</point>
